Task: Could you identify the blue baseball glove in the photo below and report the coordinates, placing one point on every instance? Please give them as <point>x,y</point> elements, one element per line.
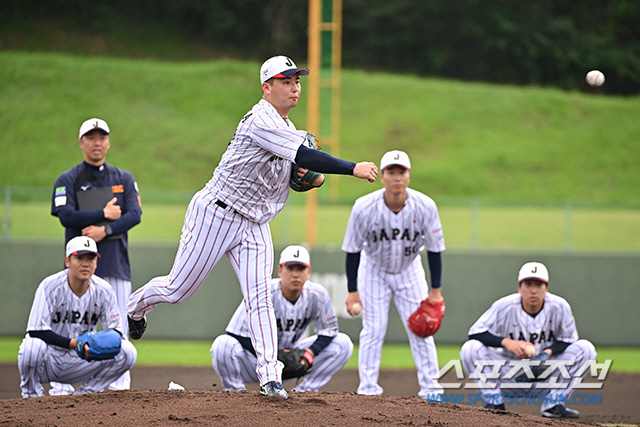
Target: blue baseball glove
<point>103,345</point>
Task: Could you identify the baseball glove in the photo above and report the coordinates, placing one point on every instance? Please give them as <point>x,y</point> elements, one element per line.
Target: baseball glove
<point>426,320</point>
<point>535,370</point>
<point>103,345</point>
<point>297,362</point>
<point>304,183</point>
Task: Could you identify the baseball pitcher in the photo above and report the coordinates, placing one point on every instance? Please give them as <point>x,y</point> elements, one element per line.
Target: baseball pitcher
<point>231,214</point>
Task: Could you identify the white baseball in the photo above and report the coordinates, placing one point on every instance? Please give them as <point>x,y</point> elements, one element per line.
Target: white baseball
<point>356,308</point>
<point>595,78</point>
<point>531,350</point>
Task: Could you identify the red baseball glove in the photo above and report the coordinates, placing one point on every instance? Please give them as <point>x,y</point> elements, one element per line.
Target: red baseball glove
<point>426,320</point>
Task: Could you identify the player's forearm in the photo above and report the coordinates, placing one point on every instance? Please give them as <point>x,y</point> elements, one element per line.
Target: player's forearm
<point>126,222</point>
<point>435,268</point>
<point>558,347</point>
<point>488,339</point>
<point>322,162</point>
<point>351,266</point>
<point>71,218</point>
<point>320,344</point>
<point>52,338</point>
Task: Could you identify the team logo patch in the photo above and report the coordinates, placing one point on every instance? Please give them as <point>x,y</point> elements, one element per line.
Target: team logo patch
<point>117,188</point>
<point>61,191</point>
<point>113,316</point>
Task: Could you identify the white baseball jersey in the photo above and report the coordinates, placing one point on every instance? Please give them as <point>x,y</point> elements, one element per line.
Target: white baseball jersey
<point>236,366</point>
<point>230,216</point>
<point>393,240</point>
<point>390,266</point>
<point>57,308</point>
<point>507,318</point>
<point>253,174</point>
<point>293,319</point>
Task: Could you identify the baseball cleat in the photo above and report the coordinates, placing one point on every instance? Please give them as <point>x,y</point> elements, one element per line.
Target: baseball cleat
<point>273,388</point>
<point>137,327</point>
<point>560,411</point>
<point>499,407</point>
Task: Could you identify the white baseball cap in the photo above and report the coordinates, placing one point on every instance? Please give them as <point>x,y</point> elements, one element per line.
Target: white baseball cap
<point>395,157</point>
<point>82,245</point>
<point>280,67</point>
<point>295,254</point>
<point>92,124</point>
<point>533,270</point>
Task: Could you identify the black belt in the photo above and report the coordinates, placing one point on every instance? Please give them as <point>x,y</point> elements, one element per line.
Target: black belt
<point>223,205</point>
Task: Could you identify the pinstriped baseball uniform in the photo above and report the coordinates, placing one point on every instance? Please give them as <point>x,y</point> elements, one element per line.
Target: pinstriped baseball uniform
<point>507,318</point>
<point>236,365</point>
<point>391,266</point>
<point>57,308</point>
<point>230,216</point>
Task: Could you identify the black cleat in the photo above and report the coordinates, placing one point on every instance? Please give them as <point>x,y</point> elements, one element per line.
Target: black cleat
<point>560,411</point>
<point>499,407</point>
<point>137,327</point>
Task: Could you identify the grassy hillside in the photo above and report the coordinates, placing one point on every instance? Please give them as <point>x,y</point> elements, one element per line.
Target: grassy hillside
<point>171,122</point>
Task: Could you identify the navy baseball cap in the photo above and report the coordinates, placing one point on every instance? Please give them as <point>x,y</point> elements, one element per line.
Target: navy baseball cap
<point>279,67</point>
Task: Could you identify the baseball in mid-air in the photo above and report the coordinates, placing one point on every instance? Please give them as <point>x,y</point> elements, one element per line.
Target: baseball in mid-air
<point>531,350</point>
<point>356,308</point>
<point>595,78</point>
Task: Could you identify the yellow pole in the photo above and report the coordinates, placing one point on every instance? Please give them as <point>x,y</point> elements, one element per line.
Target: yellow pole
<point>313,105</point>
<point>336,64</point>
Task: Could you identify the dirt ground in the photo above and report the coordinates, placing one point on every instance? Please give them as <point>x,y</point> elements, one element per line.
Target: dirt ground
<point>204,403</point>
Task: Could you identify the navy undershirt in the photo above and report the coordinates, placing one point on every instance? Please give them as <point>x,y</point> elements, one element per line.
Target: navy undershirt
<point>319,161</point>
<point>353,262</point>
<point>319,344</point>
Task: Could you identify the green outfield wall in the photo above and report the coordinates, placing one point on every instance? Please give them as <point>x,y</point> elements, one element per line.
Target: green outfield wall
<point>602,289</point>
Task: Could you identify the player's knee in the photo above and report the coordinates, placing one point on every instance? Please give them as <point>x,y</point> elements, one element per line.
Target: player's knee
<point>469,348</point>
<point>344,347</point>
<point>345,343</point>
<point>588,349</point>
<point>31,350</point>
<point>130,354</point>
<point>469,353</point>
<point>221,349</point>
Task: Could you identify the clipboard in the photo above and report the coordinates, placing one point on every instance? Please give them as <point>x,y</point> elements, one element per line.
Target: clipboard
<point>96,199</point>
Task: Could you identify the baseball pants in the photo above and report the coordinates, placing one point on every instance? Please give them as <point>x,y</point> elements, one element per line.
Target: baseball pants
<point>408,289</point>
<point>210,232</point>
<point>39,363</point>
<point>236,366</point>
<point>122,289</point>
<point>492,385</point>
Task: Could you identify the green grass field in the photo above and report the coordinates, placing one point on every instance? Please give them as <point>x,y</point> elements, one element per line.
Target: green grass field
<point>484,227</point>
<point>196,353</point>
<point>171,122</point>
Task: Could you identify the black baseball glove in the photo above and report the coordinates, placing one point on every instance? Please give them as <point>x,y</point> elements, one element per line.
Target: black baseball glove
<point>535,370</point>
<point>304,183</point>
<point>297,362</point>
